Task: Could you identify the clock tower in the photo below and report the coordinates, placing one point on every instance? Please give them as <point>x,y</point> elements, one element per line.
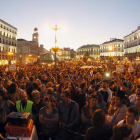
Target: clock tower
<point>35,35</point>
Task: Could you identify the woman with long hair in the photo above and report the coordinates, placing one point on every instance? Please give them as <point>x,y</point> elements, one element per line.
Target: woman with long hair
<point>99,130</point>
<point>13,93</point>
<point>48,117</point>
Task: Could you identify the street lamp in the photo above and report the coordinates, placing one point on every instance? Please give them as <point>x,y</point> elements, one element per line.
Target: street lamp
<point>56,48</point>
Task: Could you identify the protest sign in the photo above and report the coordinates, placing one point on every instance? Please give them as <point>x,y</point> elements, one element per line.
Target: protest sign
<point>12,67</point>
<point>119,68</point>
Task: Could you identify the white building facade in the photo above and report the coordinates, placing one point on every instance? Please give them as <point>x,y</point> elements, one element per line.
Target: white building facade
<point>93,51</point>
<point>114,47</point>
<point>8,43</point>
<point>132,45</point>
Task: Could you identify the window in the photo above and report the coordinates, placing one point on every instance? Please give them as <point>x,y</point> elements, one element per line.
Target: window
<point>9,49</point>
<point>14,50</point>
<point>2,57</point>
<point>6,49</point>
<point>0,40</point>
<point>0,48</point>
<point>3,41</point>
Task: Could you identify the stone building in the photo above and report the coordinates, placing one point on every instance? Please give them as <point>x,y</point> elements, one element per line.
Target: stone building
<point>113,48</point>
<point>29,51</point>
<point>132,45</point>
<point>93,51</point>
<point>8,43</point>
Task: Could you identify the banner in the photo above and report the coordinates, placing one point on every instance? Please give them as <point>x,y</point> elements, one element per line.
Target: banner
<point>12,67</point>
<point>119,68</point>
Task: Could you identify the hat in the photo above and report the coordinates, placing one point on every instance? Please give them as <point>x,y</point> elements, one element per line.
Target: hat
<point>120,94</point>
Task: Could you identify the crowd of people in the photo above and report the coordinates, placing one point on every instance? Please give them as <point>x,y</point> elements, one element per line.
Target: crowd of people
<point>74,103</point>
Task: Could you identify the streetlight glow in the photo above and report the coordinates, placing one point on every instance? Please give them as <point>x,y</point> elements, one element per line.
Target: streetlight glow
<point>56,48</point>
<point>110,48</point>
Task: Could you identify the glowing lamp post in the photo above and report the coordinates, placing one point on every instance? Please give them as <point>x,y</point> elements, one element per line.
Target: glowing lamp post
<point>56,48</point>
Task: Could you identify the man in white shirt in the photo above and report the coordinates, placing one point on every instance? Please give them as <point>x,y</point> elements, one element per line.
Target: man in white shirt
<point>131,115</point>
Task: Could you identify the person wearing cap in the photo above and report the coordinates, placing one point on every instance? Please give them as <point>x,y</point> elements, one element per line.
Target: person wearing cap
<point>120,111</point>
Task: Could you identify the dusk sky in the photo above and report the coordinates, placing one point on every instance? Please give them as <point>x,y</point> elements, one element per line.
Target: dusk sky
<point>86,21</point>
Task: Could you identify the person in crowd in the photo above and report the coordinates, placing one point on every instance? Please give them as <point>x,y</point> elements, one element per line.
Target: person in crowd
<point>13,93</point>
<point>32,88</point>
<point>135,91</point>
<point>131,115</point>
<point>30,83</point>
<point>48,117</point>
<point>100,130</point>
<point>6,107</point>
<point>82,95</point>
<point>37,100</point>
<point>68,119</point>
<point>110,116</point>
<point>25,105</point>
<point>88,110</point>
<point>126,89</point>
<point>127,101</point>
<point>106,92</point>
<point>138,106</point>
<point>122,132</point>
<point>100,102</point>
<point>43,92</point>
<point>6,84</point>
<point>50,93</point>
<point>112,103</point>
<point>120,111</point>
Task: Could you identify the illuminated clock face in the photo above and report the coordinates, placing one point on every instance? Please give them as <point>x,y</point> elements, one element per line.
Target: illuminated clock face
<point>34,36</point>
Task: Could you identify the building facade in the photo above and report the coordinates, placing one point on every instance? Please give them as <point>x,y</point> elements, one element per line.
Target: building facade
<point>132,45</point>
<point>8,43</point>
<point>29,51</point>
<point>114,48</point>
<point>67,54</point>
<point>93,51</point>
